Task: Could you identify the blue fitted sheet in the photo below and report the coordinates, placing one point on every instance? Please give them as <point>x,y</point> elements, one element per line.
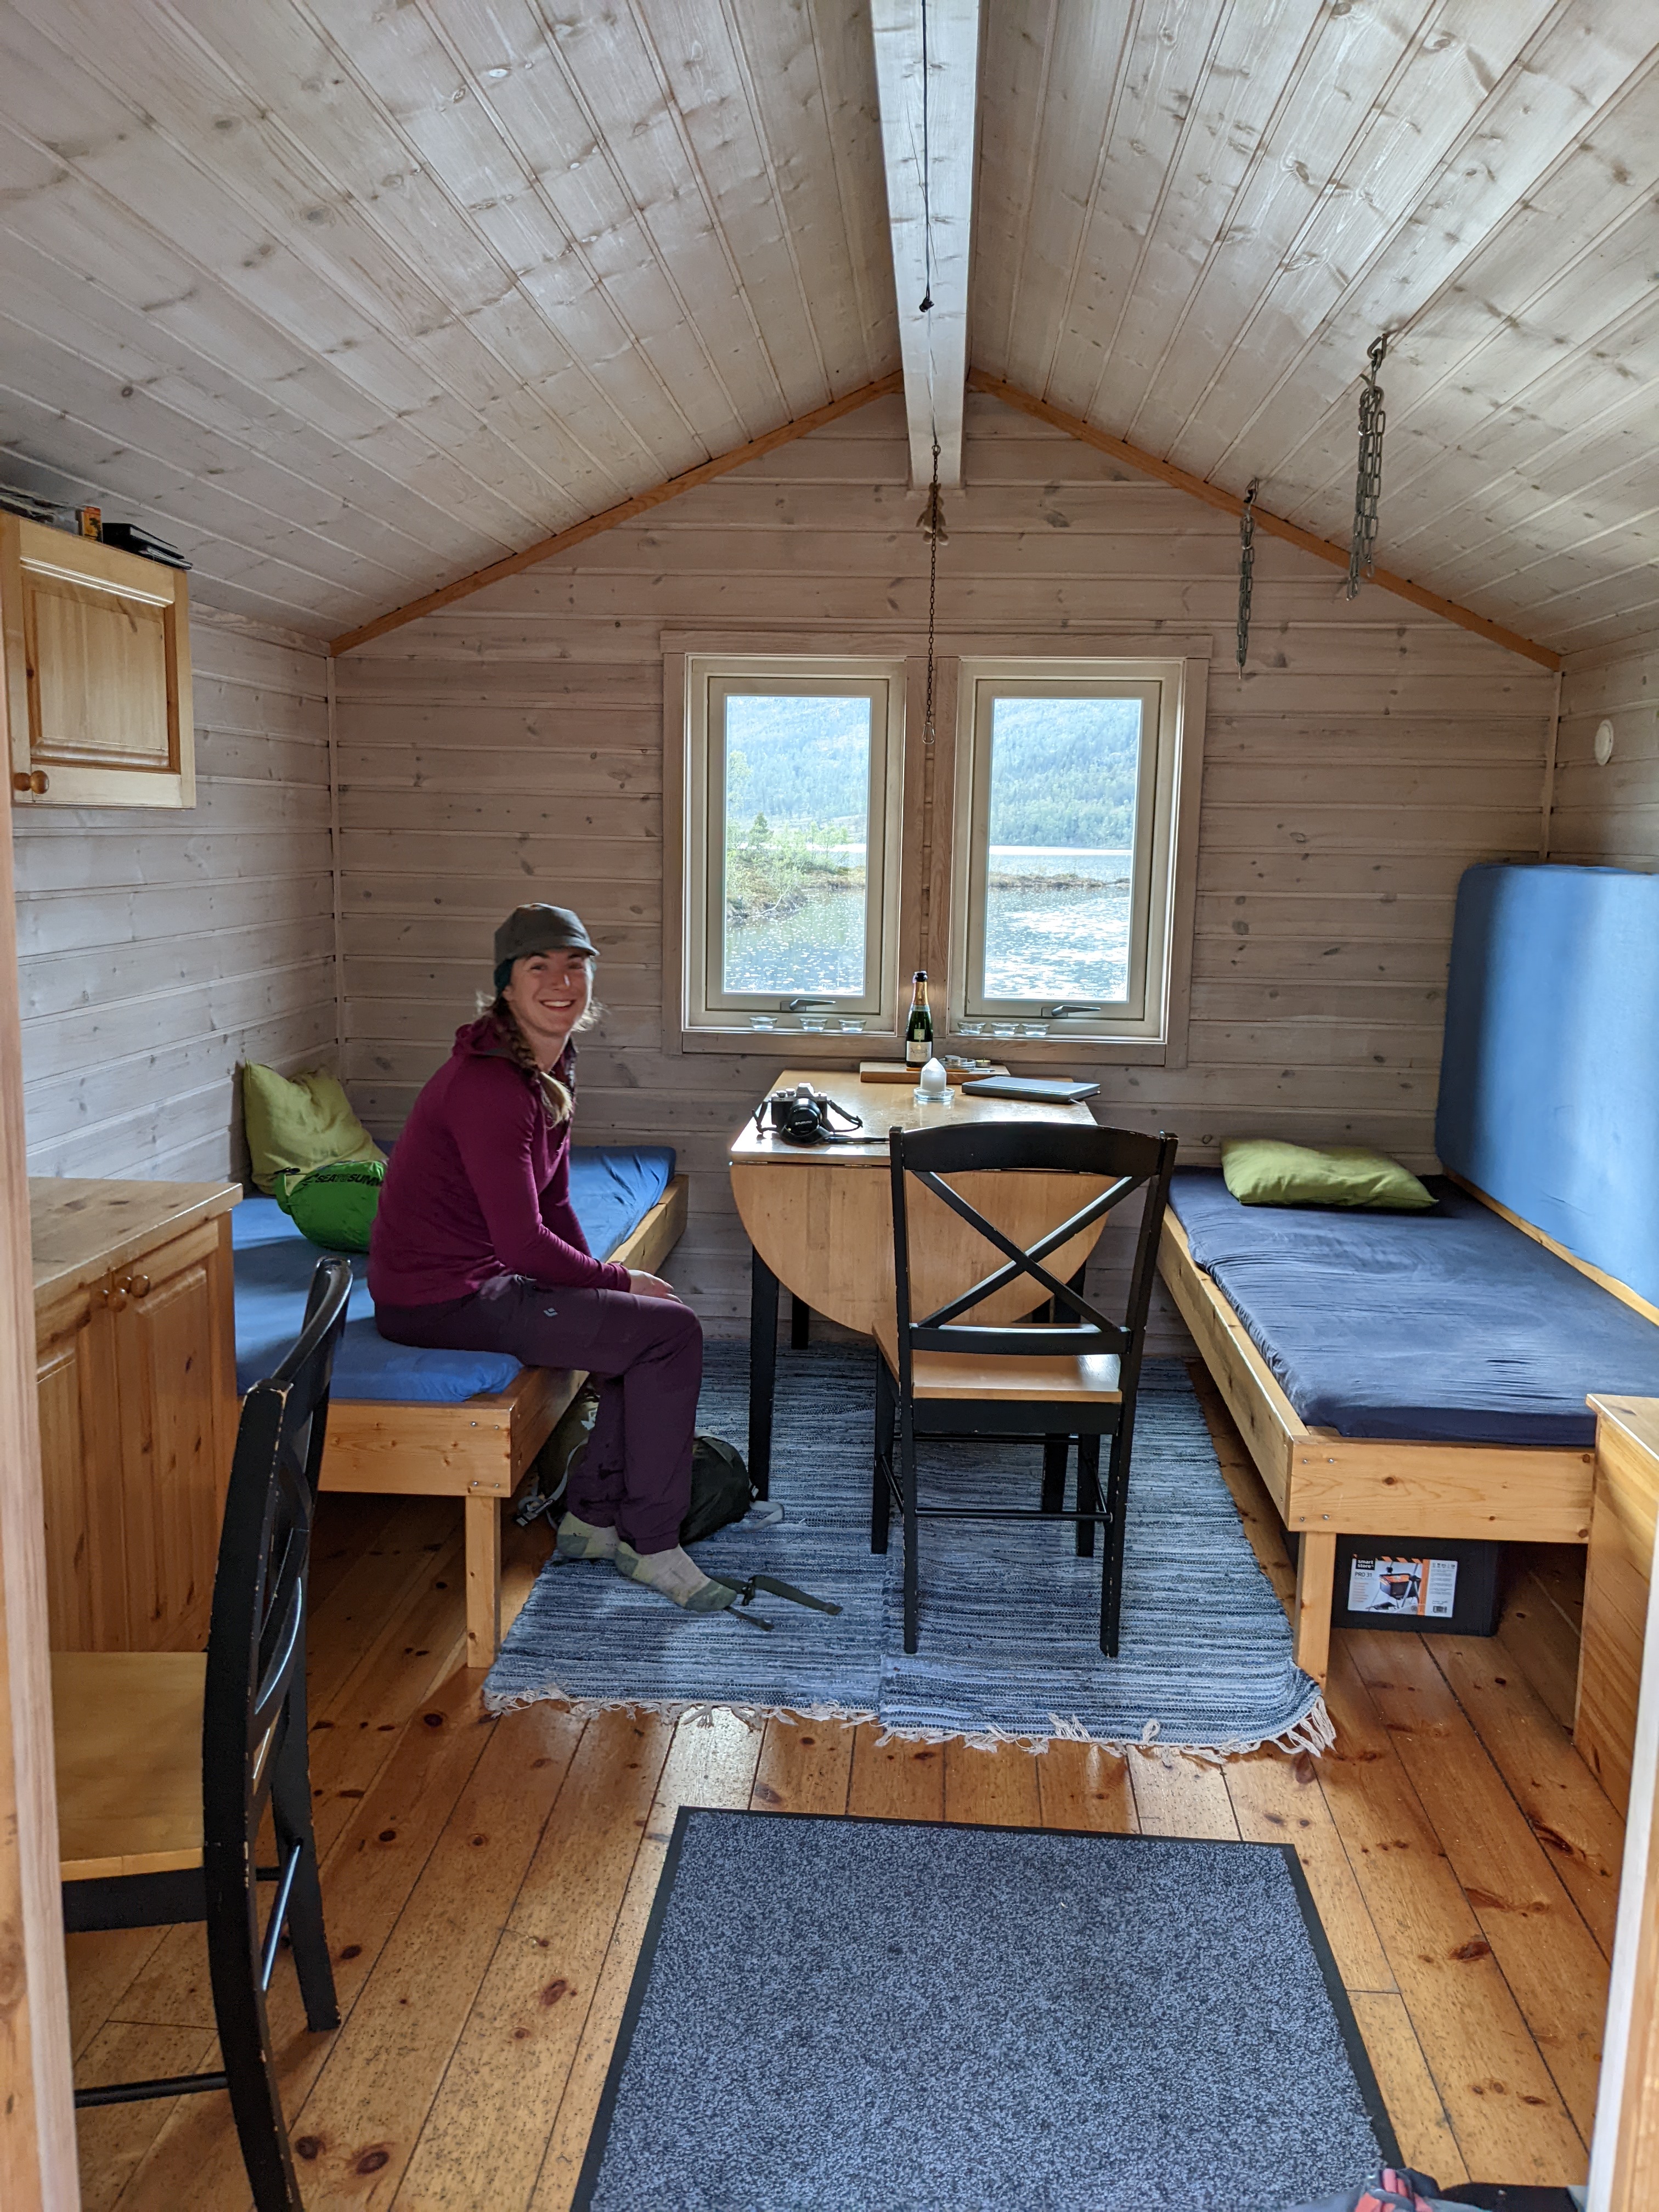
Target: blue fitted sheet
<point>612,1188</point>
<point>1447,1328</point>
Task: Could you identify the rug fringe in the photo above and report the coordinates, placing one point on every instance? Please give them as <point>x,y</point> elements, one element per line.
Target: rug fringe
<point>1314,1732</point>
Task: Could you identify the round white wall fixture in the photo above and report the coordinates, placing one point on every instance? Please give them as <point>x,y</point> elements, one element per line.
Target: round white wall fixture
<point>1603,744</point>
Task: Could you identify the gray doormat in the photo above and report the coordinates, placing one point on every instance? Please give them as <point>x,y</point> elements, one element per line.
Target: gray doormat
<point>1009,1615</point>
<point>830,2013</point>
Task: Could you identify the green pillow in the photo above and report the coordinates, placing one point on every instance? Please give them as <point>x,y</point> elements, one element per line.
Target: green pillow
<point>299,1122</point>
<point>334,1205</point>
<point>1263,1171</point>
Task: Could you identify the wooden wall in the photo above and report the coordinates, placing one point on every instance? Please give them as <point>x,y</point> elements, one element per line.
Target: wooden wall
<point>1608,813</point>
<point>157,950</point>
<point>512,748</point>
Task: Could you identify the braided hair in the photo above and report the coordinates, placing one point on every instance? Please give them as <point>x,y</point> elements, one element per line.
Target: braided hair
<point>554,1096</point>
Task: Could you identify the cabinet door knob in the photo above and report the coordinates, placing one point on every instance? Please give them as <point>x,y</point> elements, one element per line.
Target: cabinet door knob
<point>38,781</point>
<point>116,1298</point>
<point>139,1285</point>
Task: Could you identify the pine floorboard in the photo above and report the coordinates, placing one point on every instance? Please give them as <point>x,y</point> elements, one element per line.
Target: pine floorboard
<point>488,1884</point>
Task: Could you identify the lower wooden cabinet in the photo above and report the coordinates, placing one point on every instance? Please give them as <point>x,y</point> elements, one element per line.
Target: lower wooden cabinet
<point>1618,1572</point>
<point>135,1366</point>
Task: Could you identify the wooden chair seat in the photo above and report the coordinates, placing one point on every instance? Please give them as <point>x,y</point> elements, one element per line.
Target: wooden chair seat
<point>127,1730</point>
<point>1090,1380</point>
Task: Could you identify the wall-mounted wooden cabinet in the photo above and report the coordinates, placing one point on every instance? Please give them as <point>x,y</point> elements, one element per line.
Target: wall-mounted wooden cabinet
<point>97,672</point>
<point>136,1367</point>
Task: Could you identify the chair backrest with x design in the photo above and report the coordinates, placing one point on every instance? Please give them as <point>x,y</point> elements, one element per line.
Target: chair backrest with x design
<point>1124,1159</point>
<point>256,1641</point>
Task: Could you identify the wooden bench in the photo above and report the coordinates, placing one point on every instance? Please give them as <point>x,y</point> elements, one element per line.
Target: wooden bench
<point>1327,1486</point>
<point>479,1451</point>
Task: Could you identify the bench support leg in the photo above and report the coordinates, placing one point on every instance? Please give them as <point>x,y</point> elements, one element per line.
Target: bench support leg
<point>484,1578</point>
<point>1316,1593</point>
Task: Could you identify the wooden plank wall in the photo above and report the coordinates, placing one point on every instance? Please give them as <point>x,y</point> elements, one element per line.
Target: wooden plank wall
<point>510,749</point>
<point>158,950</point>
<point>1608,813</point>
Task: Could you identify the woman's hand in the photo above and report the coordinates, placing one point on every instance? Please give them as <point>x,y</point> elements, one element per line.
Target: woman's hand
<point>650,1286</point>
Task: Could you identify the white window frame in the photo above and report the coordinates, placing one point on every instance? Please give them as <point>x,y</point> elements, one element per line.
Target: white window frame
<point>707,1008</point>
<point>1165,842</point>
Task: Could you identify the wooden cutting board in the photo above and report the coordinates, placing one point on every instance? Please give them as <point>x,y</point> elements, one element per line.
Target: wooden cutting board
<point>898,1071</point>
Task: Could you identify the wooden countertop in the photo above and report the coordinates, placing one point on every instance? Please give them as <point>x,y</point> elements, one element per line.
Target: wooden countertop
<point>1637,1417</point>
<point>882,1107</point>
<point>80,1228</point>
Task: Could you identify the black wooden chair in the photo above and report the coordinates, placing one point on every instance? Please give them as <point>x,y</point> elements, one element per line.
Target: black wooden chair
<point>169,1761</point>
<point>1055,1378</point>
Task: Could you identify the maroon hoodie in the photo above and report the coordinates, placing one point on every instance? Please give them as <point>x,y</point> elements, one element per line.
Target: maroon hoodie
<point>479,1185</point>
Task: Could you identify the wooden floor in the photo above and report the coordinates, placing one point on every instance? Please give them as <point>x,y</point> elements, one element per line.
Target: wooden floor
<point>488,1882</point>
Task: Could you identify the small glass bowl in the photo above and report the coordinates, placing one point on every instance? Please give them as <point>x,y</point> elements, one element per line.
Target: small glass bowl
<point>763,1021</point>
<point>852,1026</point>
<point>815,1021</point>
<point>970,1029</point>
<point>1004,1029</point>
<point>1037,1029</point>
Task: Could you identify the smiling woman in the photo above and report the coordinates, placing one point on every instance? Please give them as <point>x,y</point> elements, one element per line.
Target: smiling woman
<point>477,1247</point>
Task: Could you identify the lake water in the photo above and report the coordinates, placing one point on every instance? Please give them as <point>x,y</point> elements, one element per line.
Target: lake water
<point>1057,927</point>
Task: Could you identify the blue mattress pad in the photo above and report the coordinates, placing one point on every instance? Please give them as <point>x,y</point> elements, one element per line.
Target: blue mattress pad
<point>1448,1326</point>
<point>612,1188</point>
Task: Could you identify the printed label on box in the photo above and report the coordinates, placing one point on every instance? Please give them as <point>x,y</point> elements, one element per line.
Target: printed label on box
<point>1427,1587</point>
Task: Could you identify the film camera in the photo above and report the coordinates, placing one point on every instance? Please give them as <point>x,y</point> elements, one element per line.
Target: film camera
<point>803,1116</point>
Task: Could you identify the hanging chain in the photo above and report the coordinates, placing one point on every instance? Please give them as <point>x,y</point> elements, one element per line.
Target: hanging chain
<point>1367,484</point>
<point>1246,570</point>
<point>932,522</point>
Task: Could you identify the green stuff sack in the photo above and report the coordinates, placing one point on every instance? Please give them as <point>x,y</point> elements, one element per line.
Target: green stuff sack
<point>334,1205</point>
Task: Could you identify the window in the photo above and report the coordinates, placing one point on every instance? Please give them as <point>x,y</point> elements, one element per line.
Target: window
<point>792,841</point>
<point>1067,792</point>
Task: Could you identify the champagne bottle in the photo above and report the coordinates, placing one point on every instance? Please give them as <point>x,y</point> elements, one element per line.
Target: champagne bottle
<point>918,1032</point>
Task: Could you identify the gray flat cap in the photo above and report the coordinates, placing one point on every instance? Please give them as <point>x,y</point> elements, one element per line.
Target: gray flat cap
<point>530,929</point>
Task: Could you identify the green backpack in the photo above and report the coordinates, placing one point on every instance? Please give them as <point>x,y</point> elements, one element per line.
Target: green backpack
<point>722,1491</point>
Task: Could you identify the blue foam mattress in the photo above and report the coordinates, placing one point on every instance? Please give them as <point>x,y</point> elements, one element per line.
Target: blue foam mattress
<point>611,1188</point>
<point>1445,1327</point>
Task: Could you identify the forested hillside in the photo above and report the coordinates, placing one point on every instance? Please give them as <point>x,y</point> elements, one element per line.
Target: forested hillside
<point>1063,772</point>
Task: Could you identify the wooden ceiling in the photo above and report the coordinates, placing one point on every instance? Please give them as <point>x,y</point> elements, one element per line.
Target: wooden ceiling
<point>351,299</point>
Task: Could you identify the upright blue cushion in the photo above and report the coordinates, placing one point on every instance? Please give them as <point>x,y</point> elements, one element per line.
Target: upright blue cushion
<point>1549,1083</point>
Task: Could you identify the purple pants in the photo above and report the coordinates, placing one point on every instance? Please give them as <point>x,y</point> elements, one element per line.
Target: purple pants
<point>645,1354</point>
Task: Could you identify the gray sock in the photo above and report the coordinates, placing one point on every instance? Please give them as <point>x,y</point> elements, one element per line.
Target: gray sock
<point>676,1576</point>
<point>581,1540</point>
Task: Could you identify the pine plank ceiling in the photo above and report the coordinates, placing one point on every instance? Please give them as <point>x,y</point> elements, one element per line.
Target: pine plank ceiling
<point>349,297</point>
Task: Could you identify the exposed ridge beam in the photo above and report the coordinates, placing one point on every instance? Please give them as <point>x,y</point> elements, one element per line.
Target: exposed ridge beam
<point>624,511</point>
<point>1271,525</point>
<point>932,347</point>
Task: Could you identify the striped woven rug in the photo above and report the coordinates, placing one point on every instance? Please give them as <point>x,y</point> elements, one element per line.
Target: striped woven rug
<point>1009,1615</point>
